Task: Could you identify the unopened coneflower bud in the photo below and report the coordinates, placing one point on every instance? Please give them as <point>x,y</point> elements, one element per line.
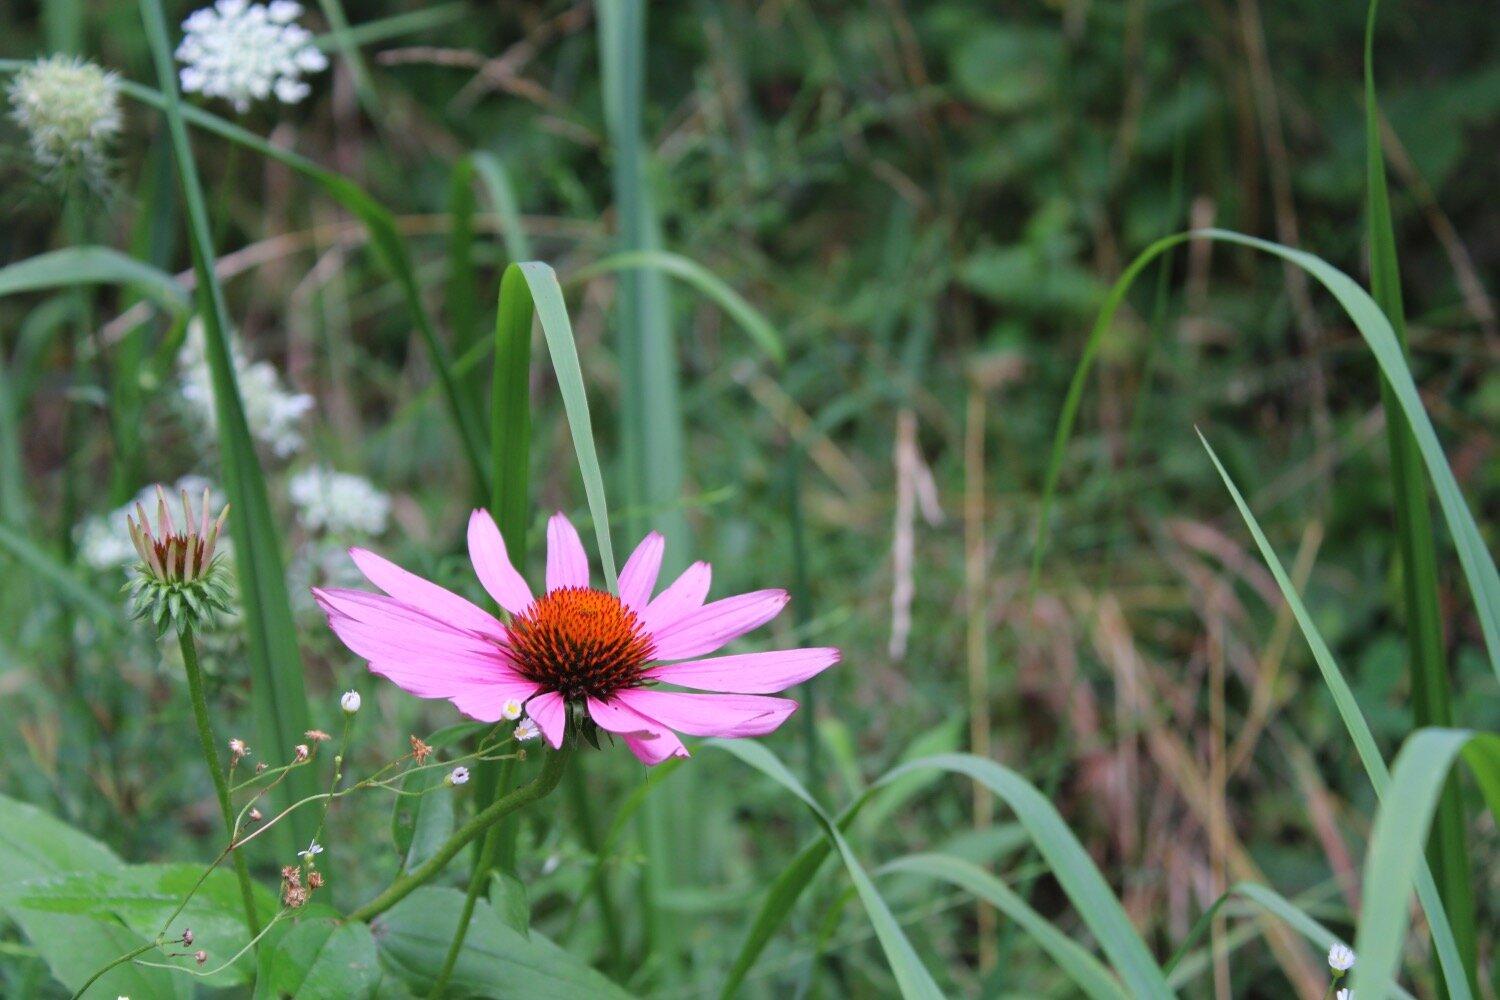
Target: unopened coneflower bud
<point>350,702</point>
<point>420,750</point>
<point>179,580</point>
<point>458,776</point>
<point>317,736</point>
<point>301,752</point>
<point>200,956</point>
<point>512,709</point>
<point>527,730</point>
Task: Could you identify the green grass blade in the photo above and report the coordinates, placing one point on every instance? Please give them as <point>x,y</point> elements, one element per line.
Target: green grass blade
<point>1394,860</point>
<point>395,26</point>
<point>510,411</point>
<point>1417,554</point>
<point>276,688</point>
<point>75,591</point>
<point>912,976</point>
<point>341,36</point>
<point>557,331</point>
<point>462,287</point>
<point>1084,969</point>
<point>755,325</point>
<point>92,265</point>
<point>1478,565</point>
<point>1358,729</point>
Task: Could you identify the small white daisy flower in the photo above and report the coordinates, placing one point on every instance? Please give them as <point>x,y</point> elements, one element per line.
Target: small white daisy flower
<point>245,52</point>
<point>512,709</point>
<point>70,110</point>
<point>1344,994</point>
<point>1340,958</point>
<point>350,702</point>
<point>313,850</point>
<point>527,730</point>
<point>338,502</point>
<point>458,776</point>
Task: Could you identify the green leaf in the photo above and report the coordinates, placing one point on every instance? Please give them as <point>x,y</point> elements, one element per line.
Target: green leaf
<point>276,686</point>
<point>1393,863</point>
<point>93,266</point>
<point>1415,546</point>
<point>508,898</point>
<point>107,616</point>
<point>495,961</point>
<point>1072,958</point>
<point>319,957</point>
<point>912,976</point>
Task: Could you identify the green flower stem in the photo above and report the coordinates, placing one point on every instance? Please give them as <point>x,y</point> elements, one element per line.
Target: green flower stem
<point>552,771</point>
<point>221,781</point>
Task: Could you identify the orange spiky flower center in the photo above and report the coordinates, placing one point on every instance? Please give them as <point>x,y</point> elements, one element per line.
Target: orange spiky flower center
<point>580,642</point>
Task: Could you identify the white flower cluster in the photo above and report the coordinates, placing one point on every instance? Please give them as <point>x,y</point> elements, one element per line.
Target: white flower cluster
<point>338,502</point>
<point>272,412</point>
<point>70,109</point>
<point>246,52</point>
<point>103,540</point>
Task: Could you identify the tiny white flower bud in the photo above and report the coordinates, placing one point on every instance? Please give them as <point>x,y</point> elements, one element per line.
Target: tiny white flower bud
<point>1340,958</point>
<point>458,776</point>
<point>350,702</point>
<point>1344,994</point>
<point>512,709</point>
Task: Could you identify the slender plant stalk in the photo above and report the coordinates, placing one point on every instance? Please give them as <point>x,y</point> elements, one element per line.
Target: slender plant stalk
<point>114,964</point>
<point>553,765</point>
<point>1416,553</point>
<point>210,747</point>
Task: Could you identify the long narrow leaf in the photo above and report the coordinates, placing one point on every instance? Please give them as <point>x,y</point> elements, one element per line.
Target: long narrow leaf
<point>1394,860</point>
<point>1358,729</point>
<point>911,975</point>
<point>1415,546</point>
<point>93,265</point>
<point>1084,969</point>
<point>275,662</point>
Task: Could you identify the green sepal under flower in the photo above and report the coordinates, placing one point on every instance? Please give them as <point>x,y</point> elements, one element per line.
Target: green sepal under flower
<point>182,604</point>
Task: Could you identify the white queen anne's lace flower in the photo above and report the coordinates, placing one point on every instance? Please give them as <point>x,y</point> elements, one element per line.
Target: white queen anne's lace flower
<point>272,412</point>
<point>338,502</point>
<point>245,52</point>
<point>70,110</point>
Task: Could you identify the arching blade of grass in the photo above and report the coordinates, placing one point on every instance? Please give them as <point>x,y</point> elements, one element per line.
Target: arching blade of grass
<point>1083,968</point>
<point>1478,566</point>
<point>276,686</point>
<point>1359,732</point>
<point>1416,549</point>
<point>911,975</point>
<point>462,299</point>
<point>75,591</point>
<point>1394,860</point>
<point>705,281</point>
<point>91,265</point>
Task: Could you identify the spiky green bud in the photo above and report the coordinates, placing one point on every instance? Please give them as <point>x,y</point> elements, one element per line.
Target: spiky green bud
<point>180,581</point>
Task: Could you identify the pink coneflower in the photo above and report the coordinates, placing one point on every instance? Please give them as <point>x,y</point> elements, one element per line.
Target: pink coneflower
<point>576,646</point>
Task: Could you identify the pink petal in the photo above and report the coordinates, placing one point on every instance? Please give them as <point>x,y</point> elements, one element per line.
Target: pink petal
<point>424,595</point>
<point>684,596</point>
<point>749,673</point>
<point>638,578</point>
<point>388,627</point>
<point>567,563</point>
<point>716,623</point>
<point>616,718</point>
<point>709,714</point>
<point>428,670</point>
<point>653,752</point>
<point>487,702</point>
<point>493,566</point>
<point>550,713</point>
